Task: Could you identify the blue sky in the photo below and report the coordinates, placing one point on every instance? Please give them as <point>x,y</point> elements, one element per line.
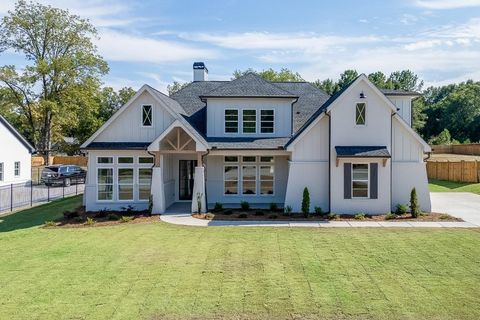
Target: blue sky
<point>156,42</point>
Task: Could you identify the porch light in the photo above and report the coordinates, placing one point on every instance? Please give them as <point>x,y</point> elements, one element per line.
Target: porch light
<point>362,95</point>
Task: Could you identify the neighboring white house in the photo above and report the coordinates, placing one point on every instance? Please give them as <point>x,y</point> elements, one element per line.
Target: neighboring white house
<point>262,142</point>
<point>15,155</point>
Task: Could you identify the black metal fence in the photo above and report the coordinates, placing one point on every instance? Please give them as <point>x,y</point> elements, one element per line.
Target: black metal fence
<point>19,195</point>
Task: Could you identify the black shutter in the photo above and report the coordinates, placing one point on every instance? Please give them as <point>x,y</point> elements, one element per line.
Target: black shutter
<point>373,180</point>
<point>347,181</point>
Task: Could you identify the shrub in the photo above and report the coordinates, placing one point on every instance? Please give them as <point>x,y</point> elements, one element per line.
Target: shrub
<point>272,216</point>
<point>390,216</point>
<point>401,209</point>
<point>199,202</point>
<point>332,216</point>
<point>112,217</point>
<point>360,216</point>
<point>242,216</point>
<point>318,211</point>
<point>50,224</point>
<point>150,204</point>
<point>288,210</point>
<point>218,207</point>
<point>70,214</point>
<point>78,219</point>
<point>101,214</point>
<point>259,213</point>
<point>228,212</point>
<point>210,216</point>
<point>245,205</point>
<point>444,216</point>
<point>273,207</point>
<point>90,221</point>
<point>128,209</point>
<point>125,219</point>
<point>306,202</point>
<point>414,206</point>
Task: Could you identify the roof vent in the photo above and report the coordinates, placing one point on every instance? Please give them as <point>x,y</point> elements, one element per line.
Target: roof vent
<point>200,72</point>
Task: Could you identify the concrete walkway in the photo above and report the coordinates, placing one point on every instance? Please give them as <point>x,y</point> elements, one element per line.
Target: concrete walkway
<point>464,205</point>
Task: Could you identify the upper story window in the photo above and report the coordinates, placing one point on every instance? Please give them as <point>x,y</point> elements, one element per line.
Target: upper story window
<point>231,121</point>
<point>249,121</point>
<point>147,116</point>
<point>267,121</point>
<point>360,114</point>
<point>17,168</point>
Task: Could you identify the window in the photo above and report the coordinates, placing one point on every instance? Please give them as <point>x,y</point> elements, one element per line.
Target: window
<point>360,114</point>
<point>103,160</point>
<point>360,180</point>
<point>231,159</point>
<point>125,184</point>
<point>249,179</point>
<point>249,159</point>
<point>266,159</point>
<point>147,116</point>
<point>125,160</point>
<point>105,184</point>
<point>267,121</point>
<point>266,179</point>
<point>249,121</point>
<point>1,171</point>
<point>17,168</point>
<point>231,179</point>
<point>144,182</point>
<point>143,160</point>
<point>231,121</point>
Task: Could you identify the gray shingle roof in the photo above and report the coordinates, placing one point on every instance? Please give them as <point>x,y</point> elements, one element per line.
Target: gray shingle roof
<point>118,145</point>
<point>397,92</point>
<point>247,143</point>
<point>362,152</point>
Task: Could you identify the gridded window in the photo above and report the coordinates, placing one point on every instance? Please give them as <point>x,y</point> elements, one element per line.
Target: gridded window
<point>144,183</point>
<point>147,116</point>
<point>267,121</point>
<point>249,159</point>
<point>125,183</point>
<point>1,171</point>
<point>231,159</point>
<point>104,160</point>
<point>126,160</point>
<point>266,159</point>
<point>249,121</point>
<point>231,179</point>
<point>105,184</point>
<point>231,121</point>
<point>267,177</point>
<point>360,180</point>
<point>143,160</point>
<point>360,110</point>
<point>17,168</point>
<point>249,179</point>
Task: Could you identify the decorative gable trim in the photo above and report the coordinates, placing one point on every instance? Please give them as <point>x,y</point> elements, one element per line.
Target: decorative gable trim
<point>200,145</point>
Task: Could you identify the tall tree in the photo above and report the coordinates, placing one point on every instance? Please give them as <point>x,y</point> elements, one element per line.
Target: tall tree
<point>176,86</point>
<point>346,77</point>
<point>379,79</point>
<point>52,91</point>
<point>271,75</point>
<point>405,80</point>
<point>327,85</point>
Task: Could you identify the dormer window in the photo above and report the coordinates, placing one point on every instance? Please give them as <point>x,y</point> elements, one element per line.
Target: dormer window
<point>360,114</point>
<point>249,121</point>
<point>231,121</point>
<point>147,116</point>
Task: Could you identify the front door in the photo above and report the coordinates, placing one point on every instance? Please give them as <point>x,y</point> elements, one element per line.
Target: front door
<point>186,176</point>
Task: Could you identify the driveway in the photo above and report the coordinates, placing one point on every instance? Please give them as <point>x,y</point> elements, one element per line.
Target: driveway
<point>463,205</point>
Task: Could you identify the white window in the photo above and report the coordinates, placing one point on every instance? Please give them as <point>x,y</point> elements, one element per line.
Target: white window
<point>1,171</point>
<point>125,160</point>
<point>144,183</point>
<point>249,179</point>
<point>231,121</point>
<point>267,121</point>
<point>17,168</point>
<point>145,160</point>
<point>267,178</point>
<point>266,159</point>
<point>104,160</point>
<point>360,180</point>
<point>125,183</point>
<point>105,184</point>
<point>249,121</point>
<point>360,114</point>
<point>230,180</point>
<point>249,159</point>
<point>147,116</point>
<point>231,159</point>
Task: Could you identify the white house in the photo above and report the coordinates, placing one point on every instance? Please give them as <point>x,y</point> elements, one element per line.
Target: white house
<point>15,155</point>
<point>261,142</point>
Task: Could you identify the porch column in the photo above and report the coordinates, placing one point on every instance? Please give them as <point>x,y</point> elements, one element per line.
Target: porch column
<point>199,198</point>
<point>157,190</point>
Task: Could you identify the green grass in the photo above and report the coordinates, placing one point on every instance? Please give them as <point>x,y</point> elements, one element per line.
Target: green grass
<point>158,271</point>
<point>450,186</point>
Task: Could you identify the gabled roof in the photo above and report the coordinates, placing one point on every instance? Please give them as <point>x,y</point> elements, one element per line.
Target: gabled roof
<point>118,145</point>
<point>362,152</point>
<point>249,85</point>
<point>247,143</point>
<point>17,135</point>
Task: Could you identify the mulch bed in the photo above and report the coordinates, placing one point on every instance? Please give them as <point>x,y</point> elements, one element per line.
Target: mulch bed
<point>238,214</point>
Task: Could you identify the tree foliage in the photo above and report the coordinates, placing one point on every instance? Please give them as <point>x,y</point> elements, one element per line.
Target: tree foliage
<point>271,75</point>
<point>176,86</point>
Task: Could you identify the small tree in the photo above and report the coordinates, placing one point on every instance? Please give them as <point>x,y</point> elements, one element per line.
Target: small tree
<point>414,207</point>
<point>306,202</point>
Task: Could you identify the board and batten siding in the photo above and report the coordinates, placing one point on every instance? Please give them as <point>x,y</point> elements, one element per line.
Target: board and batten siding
<point>404,105</point>
<point>13,150</point>
<point>405,147</point>
<point>128,125</point>
<point>216,115</point>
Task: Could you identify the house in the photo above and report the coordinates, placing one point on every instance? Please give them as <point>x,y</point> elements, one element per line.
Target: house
<point>262,142</point>
<point>15,155</point>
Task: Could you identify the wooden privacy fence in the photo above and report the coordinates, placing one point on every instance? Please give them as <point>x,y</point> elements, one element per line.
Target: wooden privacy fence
<point>468,149</point>
<point>458,171</point>
<point>75,160</point>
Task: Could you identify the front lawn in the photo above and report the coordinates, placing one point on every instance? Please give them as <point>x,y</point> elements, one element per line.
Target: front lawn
<point>450,186</point>
<point>158,271</point>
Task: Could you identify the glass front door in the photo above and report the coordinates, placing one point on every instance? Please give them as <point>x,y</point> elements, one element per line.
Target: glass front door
<point>186,177</point>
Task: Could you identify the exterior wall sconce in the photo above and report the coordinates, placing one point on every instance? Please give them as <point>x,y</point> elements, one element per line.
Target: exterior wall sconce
<point>362,95</point>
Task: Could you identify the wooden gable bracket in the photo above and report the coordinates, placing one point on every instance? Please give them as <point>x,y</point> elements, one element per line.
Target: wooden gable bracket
<point>337,162</point>
<point>384,161</point>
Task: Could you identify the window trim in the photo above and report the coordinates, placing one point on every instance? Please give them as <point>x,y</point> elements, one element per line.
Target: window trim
<point>257,164</point>
<point>225,121</point>
<point>113,184</point>
<point>254,165</point>
<point>368,181</point>
<point>17,171</point>
<point>117,183</point>
<point>104,164</point>
<point>143,184</point>
<point>2,171</point>
<point>365,114</point>
<point>126,163</point>
<point>151,116</point>
<point>274,117</point>
<point>238,179</point>
<point>264,164</point>
<point>256,122</point>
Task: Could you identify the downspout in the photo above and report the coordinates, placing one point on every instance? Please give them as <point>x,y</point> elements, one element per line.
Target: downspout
<point>329,161</point>
<point>391,159</point>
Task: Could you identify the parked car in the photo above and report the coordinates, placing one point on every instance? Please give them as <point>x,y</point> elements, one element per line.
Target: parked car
<point>63,174</point>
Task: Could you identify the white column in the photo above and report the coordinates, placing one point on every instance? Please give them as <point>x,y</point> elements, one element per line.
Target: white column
<point>199,190</point>
<point>157,190</point>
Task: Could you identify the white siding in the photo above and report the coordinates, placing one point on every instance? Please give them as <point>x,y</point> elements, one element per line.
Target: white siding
<point>405,146</point>
<point>216,111</point>
<point>12,150</point>
<point>404,104</point>
<point>128,126</point>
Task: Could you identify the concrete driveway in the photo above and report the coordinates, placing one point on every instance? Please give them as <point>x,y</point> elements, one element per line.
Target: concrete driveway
<point>463,205</point>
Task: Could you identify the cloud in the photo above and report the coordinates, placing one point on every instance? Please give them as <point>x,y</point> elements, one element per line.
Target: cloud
<point>408,19</point>
<point>447,4</point>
